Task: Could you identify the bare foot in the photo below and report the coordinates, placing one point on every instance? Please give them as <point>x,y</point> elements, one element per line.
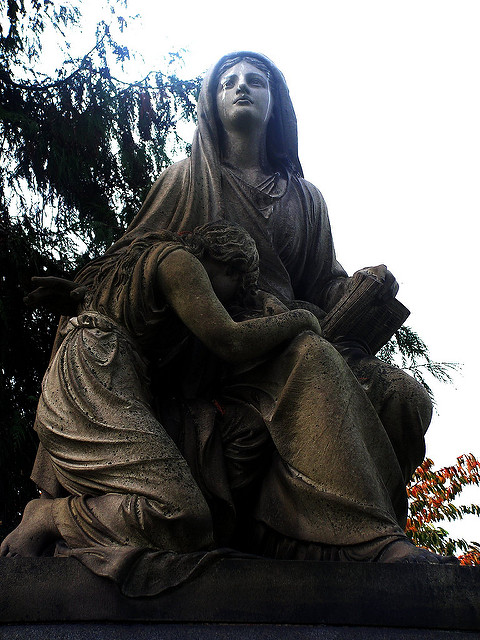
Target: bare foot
<point>34,534</point>
<point>405,551</point>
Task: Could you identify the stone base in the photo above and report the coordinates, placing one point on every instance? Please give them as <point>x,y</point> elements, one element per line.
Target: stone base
<point>208,631</point>
<point>244,598</point>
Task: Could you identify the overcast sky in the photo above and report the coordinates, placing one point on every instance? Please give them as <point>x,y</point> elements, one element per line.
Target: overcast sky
<point>387,96</point>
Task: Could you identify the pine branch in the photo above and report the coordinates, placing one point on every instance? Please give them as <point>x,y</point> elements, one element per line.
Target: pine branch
<point>414,357</point>
<point>57,83</point>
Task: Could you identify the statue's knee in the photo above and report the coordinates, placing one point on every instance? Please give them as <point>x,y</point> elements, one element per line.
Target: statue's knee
<point>198,514</point>
<point>311,344</point>
<point>181,525</point>
<point>195,526</point>
<point>424,406</point>
<point>306,339</point>
<point>413,396</point>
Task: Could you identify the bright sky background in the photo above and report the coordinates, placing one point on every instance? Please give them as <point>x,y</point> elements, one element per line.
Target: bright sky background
<point>387,96</point>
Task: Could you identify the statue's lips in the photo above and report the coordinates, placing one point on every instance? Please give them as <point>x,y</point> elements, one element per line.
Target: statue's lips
<point>243,99</point>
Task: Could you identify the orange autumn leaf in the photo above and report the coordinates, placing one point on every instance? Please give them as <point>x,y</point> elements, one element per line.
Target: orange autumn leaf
<point>431,496</point>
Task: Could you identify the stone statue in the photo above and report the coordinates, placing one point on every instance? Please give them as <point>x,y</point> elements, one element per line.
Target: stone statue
<point>279,443</point>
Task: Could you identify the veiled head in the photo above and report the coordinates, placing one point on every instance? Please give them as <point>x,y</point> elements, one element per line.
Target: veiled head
<point>281,130</point>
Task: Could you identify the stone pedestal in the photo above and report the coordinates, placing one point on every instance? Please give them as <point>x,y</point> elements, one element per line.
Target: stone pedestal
<point>58,598</point>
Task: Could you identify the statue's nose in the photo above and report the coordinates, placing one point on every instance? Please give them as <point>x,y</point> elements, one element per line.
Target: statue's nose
<point>242,87</point>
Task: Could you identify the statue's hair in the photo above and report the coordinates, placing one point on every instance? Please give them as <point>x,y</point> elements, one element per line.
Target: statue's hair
<point>227,242</point>
<point>123,260</point>
<point>231,62</point>
<point>223,241</point>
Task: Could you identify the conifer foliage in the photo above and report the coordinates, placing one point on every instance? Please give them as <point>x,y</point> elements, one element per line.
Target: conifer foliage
<point>84,144</point>
<point>79,152</point>
<point>409,352</point>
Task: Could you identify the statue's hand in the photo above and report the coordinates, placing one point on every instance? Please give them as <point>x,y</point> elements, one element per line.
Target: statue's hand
<point>312,320</point>
<point>269,304</point>
<point>58,295</point>
<point>389,285</point>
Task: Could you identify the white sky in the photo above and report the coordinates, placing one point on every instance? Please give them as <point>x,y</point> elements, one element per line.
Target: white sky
<point>387,96</point>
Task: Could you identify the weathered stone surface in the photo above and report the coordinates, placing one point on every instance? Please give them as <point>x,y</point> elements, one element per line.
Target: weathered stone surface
<point>208,631</point>
<point>427,597</point>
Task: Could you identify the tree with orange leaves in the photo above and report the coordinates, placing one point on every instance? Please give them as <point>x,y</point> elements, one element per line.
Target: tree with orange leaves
<point>431,495</point>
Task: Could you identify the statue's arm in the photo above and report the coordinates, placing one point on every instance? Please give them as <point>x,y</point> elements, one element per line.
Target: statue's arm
<point>58,295</point>
<point>187,288</point>
<point>324,279</point>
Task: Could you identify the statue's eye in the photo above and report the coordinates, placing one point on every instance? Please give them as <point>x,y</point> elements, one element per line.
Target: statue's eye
<point>258,82</point>
<point>228,83</point>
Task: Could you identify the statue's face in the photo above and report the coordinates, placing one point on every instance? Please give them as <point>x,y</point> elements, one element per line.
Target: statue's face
<point>224,279</point>
<point>244,98</point>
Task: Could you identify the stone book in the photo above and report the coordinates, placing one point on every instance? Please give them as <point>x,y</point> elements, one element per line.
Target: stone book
<point>360,315</point>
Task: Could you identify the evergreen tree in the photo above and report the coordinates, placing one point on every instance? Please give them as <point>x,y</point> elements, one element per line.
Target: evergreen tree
<point>80,150</point>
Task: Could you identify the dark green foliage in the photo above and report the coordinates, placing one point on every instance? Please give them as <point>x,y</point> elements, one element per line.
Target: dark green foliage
<point>79,151</point>
<point>87,145</point>
<point>24,353</point>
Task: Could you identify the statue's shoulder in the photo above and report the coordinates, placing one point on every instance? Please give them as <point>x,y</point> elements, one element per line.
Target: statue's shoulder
<point>313,193</point>
<point>170,182</point>
<point>176,171</point>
